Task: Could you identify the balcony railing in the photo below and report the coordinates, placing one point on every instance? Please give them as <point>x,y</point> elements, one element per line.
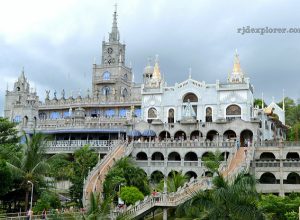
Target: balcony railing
<point>72,145</point>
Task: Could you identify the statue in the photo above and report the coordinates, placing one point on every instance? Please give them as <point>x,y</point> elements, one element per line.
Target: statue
<point>70,112</point>
<point>189,112</point>
<point>47,94</point>
<point>63,94</point>
<point>54,94</point>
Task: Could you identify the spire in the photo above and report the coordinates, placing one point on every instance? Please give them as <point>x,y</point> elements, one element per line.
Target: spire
<point>236,63</point>
<point>22,76</point>
<point>190,72</point>
<point>114,35</point>
<point>156,71</point>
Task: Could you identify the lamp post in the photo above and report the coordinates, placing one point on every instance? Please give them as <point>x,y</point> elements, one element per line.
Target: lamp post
<point>31,198</point>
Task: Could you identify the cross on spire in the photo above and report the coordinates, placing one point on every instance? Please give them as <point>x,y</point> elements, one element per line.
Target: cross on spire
<point>114,35</point>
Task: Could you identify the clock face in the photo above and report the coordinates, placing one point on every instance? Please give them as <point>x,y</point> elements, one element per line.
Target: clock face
<point>109,50</point>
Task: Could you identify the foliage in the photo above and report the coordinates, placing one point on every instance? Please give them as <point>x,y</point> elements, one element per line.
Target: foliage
<point>276,207</point>
<point>212,161</point>
<point>258,102</point>
<point>84,160</point>
<point>5,177</point>
<point>131,194</point>
<point>32,165</point>
<point>48,200</point>
<point>294,132</point>
<point>236,200</point>
<point>291,215</point>
<point>9,140</point>
<point>98,210</point>
<point>125,172</point>
<point>175,181</point>
<point>60,167</point>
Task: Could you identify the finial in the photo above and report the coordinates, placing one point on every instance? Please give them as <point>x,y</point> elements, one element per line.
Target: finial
<point>116,7</point>
<point>132,77</point>
<point>190,72</point>
<point>156,58</point>
<point>6,86</point>
<point>236,63</point>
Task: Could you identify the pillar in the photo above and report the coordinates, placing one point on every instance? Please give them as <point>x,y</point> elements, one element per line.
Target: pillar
<point>165,214</point>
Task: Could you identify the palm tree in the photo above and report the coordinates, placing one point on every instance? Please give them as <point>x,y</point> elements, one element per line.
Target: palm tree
<point>97,209</point>
<point>33,164</point>
<point>175,181</point>
<point>236,200</point>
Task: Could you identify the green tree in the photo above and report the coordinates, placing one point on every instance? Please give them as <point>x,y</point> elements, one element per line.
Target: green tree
<point>9,140</point>
<point>125,172</point>
<point>175,181</point>
<point>84,160</point>
<point>5,177</point>
<point>212,161</point>
<point>234,201</point>
<point>131,194</point>
<point>48,200</point>
<point>97,209</point>
<point>258,102</point>
<point>33,164</point>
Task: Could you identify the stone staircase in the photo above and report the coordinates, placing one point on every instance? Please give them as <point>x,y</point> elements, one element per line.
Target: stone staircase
<point>168,200</point>
<point>240,162</point>
<point>96,177</point>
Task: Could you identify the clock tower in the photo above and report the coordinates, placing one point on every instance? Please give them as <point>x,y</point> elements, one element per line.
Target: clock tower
<point>112,79</point>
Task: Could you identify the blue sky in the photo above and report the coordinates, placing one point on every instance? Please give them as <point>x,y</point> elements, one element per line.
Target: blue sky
<point>57,41</point>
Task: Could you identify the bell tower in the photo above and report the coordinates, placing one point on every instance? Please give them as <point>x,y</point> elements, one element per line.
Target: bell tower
<point>112,79</point>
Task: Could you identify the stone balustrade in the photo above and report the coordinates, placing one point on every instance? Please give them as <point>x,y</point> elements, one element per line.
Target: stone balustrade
<point>67,146</point>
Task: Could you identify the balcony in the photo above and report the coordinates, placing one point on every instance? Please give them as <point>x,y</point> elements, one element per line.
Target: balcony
<point>69,146</point>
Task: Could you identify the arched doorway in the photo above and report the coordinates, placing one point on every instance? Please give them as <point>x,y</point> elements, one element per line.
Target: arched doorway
<point>196,135</point>
<point>212,135</point>
<point>293,178</point>
<point>164,134</point>
<point>141,156</point>
<point>191,174</point>
<point>208,174</point>
<point>171,115</point>
<point>191,156</point>
<point>229,135</point>
<point>292,156</point>
<point>156,176</point>
<point>267,156</point>
<point>157,156</point>
<point>208,114</point>
<point>180,135</point>
<point>174,156</point>
<point>206,155</point>
<point>246,137</point>
<point>224,156</point>
<point>267,178</point>
<point>172,174</point>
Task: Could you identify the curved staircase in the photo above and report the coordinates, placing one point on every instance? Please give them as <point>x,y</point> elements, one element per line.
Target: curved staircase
<point>96,177</point>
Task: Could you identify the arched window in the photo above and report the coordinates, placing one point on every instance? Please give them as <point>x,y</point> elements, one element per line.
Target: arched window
<point>106,75</point>
<point>233,110</point>
<point>105,90</point>
<point>124,92</point>
<point>152,113</point>
<point>208,114</point>
<point>190,97</point>
<point>171,116</point>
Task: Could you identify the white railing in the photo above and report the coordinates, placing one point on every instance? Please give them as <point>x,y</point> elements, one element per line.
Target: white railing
<point>167,200</point>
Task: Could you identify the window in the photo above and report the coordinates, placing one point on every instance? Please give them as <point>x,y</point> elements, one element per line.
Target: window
<point>137,112</point>
<point>171,116</point>
<point>17,119</point>
<point>105,91</point>
<point>106,75</point>
<point>233,110</point>
<point>152,113</point>
<point>124,92</point>
<point>54,115</point>
<point>122,112</point>
<point>208,114</point>
<point>190,97</point>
